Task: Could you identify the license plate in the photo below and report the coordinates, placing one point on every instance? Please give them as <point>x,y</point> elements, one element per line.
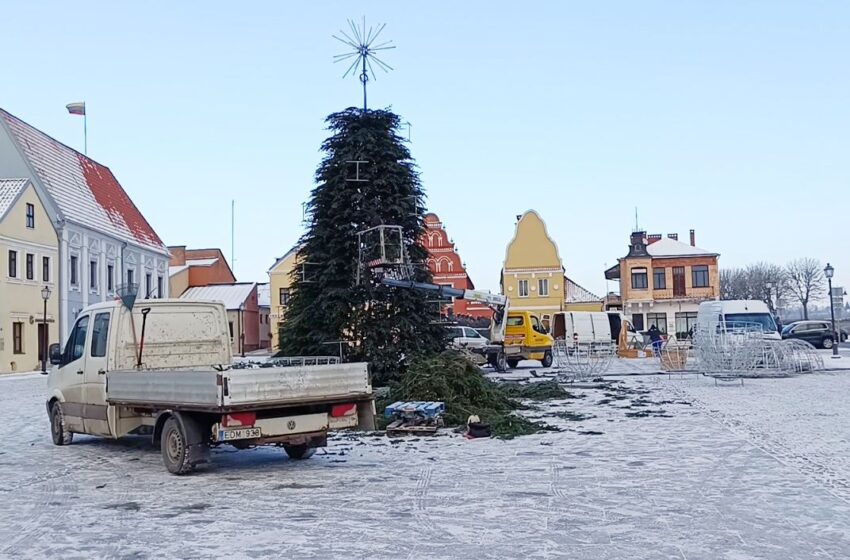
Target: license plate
<point>239,433</point>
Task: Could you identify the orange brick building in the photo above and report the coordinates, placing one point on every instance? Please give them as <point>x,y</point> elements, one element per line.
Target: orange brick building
<point>191,268</point>
<point>663,281</point>
<point>448,270</point>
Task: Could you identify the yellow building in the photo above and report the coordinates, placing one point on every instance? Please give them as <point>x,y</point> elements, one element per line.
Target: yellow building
<point>532,275</point>
<point>29,253</point>
<point>280,282</point>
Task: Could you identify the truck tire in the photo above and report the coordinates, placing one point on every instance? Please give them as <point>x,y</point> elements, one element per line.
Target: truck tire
<point>547,359</point>
<point>513,363</point>
<point>299,452</point>
<point>58,428</point>
<point>175,448</point>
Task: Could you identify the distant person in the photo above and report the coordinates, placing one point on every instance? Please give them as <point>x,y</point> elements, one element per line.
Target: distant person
<point>655,338</point>
<point>778,324</point>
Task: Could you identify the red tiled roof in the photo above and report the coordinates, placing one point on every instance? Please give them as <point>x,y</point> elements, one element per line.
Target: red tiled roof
<point>85,191</point>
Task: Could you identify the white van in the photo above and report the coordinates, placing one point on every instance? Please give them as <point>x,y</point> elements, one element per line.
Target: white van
<point>584,326</point>
<point>593,326</point>
<point>712,314</point>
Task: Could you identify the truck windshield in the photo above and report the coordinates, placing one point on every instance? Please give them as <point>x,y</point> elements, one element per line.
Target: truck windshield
<point>763,319</point>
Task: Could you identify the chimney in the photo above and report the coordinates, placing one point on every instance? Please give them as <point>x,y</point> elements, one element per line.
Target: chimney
<point>652,238</point>
<point>673,236</point>
<point>693,239</point>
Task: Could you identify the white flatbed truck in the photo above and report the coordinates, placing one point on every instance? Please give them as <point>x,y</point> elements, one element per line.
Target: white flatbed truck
<point>163,368</point>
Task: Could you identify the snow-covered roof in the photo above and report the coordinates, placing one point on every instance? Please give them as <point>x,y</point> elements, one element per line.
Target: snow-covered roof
<point>84,191</point>
<point>578,294</point>
<point>231,295</point>
<point>201,262</point>
<point>172,270</point>
<point>264,295</point>
<point>10,189</point>
<point>666,247</point>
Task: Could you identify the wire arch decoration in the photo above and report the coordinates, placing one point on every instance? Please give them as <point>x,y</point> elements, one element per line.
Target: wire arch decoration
<point>364,48</point>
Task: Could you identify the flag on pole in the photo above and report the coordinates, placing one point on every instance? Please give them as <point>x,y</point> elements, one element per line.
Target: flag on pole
<point>78,108</point>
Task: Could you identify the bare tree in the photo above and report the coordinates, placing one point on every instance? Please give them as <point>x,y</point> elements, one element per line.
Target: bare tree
<point>806,281</point>
<point>768,282</point>
<point>762,281</point>
<point>733,284</point>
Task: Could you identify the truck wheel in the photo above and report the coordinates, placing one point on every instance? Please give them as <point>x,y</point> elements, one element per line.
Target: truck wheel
<point>58,429</point>
<point>827,343</point>
<point>501,363</point>
<point>513,363</point>
<point>174,447</point>
<point>547,359</point>
<point>299,451</point>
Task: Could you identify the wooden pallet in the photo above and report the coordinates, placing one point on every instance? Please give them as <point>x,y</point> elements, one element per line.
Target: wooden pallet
<point>399,428</point>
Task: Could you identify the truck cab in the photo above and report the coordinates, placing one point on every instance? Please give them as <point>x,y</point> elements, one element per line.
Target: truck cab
<point>526,339</point>
<point>163,368</point>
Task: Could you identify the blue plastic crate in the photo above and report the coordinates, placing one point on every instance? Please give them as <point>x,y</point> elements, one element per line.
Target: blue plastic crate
<point>425,409</point>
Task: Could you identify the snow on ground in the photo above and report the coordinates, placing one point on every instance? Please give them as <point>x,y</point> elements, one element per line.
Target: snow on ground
<point>646,467</point>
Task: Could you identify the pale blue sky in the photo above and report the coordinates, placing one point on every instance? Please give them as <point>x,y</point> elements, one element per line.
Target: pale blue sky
<point>728,117</point>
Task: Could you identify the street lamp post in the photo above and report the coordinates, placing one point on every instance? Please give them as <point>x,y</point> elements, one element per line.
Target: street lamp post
<point>836,340</point>
<point>45,295</point>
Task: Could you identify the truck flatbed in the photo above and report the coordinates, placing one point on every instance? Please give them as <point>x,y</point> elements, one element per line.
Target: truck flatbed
<point>224,391</point>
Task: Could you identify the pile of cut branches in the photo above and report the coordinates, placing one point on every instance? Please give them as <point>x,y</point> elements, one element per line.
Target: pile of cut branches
<point>451,378</point>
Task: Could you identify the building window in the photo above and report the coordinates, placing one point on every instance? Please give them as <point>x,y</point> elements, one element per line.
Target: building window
<point>131,276</point>
<point>30,216</point>
<point>639,279</point>
<point>231,329</point>
<point>17,338</point>
<point>30,266</point>
<point>543,286</point>
<point>699,276</point>
<point>523,288</point>
<point>93,275</point>
<point>13,264</point>
<point>657,319</point>
<point>659,278</point>
<point>685,323</point>
<point>637,321</point>
<point>159,287</point>
<point>45,269</point>
<point>148,285</point>
<point>284,296</point>
<point>74,272</point>
<point>110,277</point>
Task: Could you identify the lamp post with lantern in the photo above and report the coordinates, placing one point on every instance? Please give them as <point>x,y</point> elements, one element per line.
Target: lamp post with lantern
<point>45,295</point>
<point>836,340</point>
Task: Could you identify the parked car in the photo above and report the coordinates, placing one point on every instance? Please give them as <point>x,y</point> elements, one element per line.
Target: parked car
<point>466,337</point>
<point>818,333</point>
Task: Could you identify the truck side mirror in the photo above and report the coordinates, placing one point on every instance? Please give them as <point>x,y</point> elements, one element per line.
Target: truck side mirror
<point>55,354</point>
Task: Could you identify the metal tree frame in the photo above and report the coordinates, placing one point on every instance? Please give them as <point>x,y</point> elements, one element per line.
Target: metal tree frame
<point>738,350</point>
<point>579,361</point>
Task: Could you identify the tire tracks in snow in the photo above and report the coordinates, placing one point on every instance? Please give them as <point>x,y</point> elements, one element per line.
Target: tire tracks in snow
<point>809,466</point>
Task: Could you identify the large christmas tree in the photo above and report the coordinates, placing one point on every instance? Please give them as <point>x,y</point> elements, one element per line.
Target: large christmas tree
<point>380,325</point>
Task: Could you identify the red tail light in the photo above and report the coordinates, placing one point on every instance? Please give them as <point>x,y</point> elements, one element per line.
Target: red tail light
<point>236,419</point>
<point>343,410</point>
